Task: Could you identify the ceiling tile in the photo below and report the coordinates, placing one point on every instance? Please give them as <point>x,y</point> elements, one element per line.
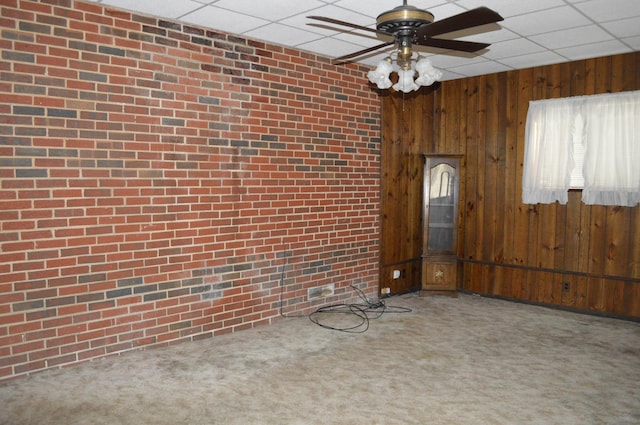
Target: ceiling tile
<point>515,47</point>
<point>330,47</point>
<point>301,21</point>
<point>375,8</point>
<point>445,11</point>
<point>534,32</point>
<point>488,67</point>
<point>223,20</point>
<point>533,59</point>
<point>633,42</point>
<point>450,75</point>
<point>624,27</point>
<point>491,33</point>
<point>546,21</point>
<point>608,10</point>
<point>508,8</point>
<point>281,34</point>
<point>572,37</point>
<point>361,39</point>
<point>454,61</point>
<point>587,50</point>
<point>164,9</point>
<point>273,11</point>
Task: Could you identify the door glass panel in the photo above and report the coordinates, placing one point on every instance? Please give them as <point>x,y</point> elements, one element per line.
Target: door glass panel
<point>441,207</point>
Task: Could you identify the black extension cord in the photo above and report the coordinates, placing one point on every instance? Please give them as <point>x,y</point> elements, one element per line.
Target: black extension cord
<point>364,312</point>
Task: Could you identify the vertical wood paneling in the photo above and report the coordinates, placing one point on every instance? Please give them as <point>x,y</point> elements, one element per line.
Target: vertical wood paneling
<point>521,286</point>
<point>526,252</point>
<point>510,170</point>
<point>581,288</point>
<point>530,252</point>
<point>631,299</point>
<point>573,232</point>
<point>521,228</point>
<point>595,293</point>
<point>494,130</point>
<point>390,155</point>
<point>561,75</point>
<point>471,174</point>
<point>481,105</point>
<point>450,124</point>
<point>616,259</point>
<point>546,89</point>
<point>407,132</point>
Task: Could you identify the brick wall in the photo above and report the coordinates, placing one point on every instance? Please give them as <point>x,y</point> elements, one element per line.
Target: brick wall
<point>156,177</point>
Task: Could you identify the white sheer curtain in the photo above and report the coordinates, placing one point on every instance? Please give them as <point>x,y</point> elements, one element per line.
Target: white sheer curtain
<point>612,150</point>
<point>610,139</point>
<point>547,155</point>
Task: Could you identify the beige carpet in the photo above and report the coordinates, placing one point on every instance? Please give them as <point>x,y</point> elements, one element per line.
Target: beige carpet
<point>469,360</point>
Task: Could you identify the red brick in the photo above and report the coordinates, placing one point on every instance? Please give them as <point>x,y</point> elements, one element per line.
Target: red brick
<point>27,347</point>
<point>30,367</point>
<point>56,361</point>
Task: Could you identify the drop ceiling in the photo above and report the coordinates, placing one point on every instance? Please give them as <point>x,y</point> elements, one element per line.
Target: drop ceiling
<point>534,32</point>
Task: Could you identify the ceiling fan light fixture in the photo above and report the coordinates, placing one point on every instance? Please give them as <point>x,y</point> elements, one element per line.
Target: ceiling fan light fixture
<point>406,68</point>
<point>410,26</point>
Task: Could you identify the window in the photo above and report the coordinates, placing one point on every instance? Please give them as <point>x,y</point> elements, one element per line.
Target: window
<point>586,142</point>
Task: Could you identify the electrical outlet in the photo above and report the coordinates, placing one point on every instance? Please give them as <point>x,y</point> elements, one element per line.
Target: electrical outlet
<point>385,291</point>
<point>565,286</point>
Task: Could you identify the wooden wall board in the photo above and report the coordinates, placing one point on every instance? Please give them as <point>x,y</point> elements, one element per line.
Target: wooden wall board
<point>595,249</point>
<point>472,154</point>
<point>532,249</point>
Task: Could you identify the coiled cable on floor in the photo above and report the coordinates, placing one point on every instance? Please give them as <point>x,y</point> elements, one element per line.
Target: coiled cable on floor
<point>363,312</point>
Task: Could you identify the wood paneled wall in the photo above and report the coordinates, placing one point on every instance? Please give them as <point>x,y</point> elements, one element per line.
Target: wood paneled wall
<point>407,120</point>
<point>575,255</point>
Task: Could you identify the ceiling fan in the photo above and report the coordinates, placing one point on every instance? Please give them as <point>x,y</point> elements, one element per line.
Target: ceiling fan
<point>409,26</point>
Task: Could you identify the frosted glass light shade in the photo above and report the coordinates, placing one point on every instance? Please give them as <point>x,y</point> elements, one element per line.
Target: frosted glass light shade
<point>380,76</point>
<point>427,74</point>
<point>405,82</point>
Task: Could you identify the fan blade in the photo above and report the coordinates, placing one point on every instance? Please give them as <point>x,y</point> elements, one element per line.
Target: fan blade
<point>462,46</point>
<point>469,19</point>
<point>361,52</point>
<point>348,24</point>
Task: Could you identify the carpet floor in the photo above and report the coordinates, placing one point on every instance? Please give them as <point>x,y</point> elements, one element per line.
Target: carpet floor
<point>432,360</point>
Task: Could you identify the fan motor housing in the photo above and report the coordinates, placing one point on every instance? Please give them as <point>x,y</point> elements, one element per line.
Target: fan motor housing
<point>403,18</point>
